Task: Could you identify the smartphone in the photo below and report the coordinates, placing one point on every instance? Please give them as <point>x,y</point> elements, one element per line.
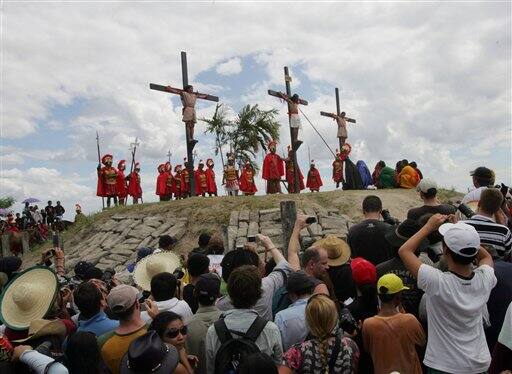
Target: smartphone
<point>251,239</point>
<point>310,220</point>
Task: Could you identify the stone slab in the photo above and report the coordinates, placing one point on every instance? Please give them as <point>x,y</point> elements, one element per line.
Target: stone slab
<point>243,216</point>
<point>233,218</point>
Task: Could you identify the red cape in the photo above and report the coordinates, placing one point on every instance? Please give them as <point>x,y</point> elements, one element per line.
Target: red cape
<point>185,182</point>
<point>102,189</point>
<point>273,167</point>
<point>314,181</point>
<point>290,178</point>
<point>245,185</point>
<point>161,184</point>
<point>337,175</point>
<point>134,188</point>
<point>201,181</point>
<point>170,187</point>
<point>122,188</point>
<point>210,180</point>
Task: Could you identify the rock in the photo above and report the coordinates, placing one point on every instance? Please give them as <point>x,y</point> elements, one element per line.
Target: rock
<point>272,232</point>
<point>342,234</point>
<point>109,225</point>
<point>97,239</point>
<point>131,241</point>
<point>254,216</point>
<point>145,242</point>
<point>124,249</point>
<point>154,222</point>
<point>240,242</point>
<point>233,218</point>
<point>178,230</point>
<point>243,216</point>
<point>304,232</point>
<point>242,232</point>
<point>314,229</point>
<point>118,217</point>
<point>253,229</point>
<point>124,276</point>
<point>123,225</point>
<point>141,232</point>
<point>232,233</point>
<point>70,264</point>
<point>275,216</point>
<point>94,257</point>
<point>333,212</point>
<point>309,212</point>
<point>119,268</point>
<point>277,240</point>
<point>269,211</point>
<point>308,241</point>
<point>161,229</point>
<point>332,223</point>
<point>112,240</point>
<point>269,225</point>
<point>118,258</point>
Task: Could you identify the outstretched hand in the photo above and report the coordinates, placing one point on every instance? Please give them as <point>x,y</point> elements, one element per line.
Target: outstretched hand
<point>436,221</point>
<point>300,222</point>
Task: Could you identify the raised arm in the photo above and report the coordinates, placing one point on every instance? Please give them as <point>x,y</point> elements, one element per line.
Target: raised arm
<point>294,244</point>
<point>484,258</point>
<point>269,246</point>
<point>173,90</point>
<point>408,249</point>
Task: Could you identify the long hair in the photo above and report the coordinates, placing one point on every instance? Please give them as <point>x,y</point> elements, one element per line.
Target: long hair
<point>82,353</point>
<point>321,319</point>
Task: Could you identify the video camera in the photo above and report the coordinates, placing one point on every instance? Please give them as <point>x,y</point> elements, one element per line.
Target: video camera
<point>386,216</point>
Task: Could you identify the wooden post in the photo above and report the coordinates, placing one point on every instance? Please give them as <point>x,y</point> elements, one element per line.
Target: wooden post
<point>296,183</point>
<point>6,245</point>
<point>25,242</point>
<point>288,218</point>
<point>190,147</point>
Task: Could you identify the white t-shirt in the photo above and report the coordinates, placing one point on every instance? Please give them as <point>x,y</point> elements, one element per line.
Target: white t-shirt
<point>456,340</point>
<point>174,305</point>
<point>505,337</point>
<point>473,195</point>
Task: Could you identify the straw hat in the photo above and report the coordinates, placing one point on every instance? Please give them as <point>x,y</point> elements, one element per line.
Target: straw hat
<point>42,327</point>
<point>28,297</point>
<point>149,266</point>
<point>338,251</point>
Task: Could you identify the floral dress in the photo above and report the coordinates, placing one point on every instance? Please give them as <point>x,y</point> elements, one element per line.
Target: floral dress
<point>305,357</point>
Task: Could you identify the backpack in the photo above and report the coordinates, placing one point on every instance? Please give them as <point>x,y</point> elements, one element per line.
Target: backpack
<point>281,299</point>
<point>232,351</point>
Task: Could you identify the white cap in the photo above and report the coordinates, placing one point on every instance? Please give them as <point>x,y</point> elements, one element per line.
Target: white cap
<point>426,184</point>
<point>461,238</point>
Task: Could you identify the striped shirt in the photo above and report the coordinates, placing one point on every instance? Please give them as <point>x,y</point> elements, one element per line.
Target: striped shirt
<point>492,233</point>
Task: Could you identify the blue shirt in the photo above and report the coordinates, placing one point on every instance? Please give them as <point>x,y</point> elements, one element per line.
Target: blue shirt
<point>98,325</point>
<point>292,323</point>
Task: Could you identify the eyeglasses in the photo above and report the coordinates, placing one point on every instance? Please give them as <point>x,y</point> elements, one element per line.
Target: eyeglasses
<point>172,333</point>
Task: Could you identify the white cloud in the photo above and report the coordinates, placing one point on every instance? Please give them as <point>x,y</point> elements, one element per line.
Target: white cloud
<point>230,67</point>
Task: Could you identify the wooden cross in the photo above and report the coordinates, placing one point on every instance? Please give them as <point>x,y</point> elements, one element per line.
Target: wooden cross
<point>293,131</point>
<point>338,112</point>
<point>178,91</point>
<point>169,155</point>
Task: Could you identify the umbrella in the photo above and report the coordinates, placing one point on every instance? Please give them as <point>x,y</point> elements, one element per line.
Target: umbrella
<point>31,200</point>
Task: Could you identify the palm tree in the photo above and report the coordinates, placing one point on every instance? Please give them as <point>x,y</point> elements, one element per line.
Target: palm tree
<point>253,129</point>
<point>219,126</point>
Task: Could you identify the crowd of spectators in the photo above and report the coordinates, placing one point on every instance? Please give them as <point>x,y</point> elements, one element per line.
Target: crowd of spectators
<point>431,294</point>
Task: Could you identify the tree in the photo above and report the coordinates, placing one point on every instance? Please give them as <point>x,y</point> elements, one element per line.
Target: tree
<point>251,131</point>
<point>218,125</point>
<point>7,202</point>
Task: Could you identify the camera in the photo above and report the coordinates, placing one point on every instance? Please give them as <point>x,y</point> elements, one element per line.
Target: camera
<point>386,216</point>
<point>251,239</point>
<point>178,273</point>
<point>108,275</point>
<point>465,210</point>
<point>347,321</point>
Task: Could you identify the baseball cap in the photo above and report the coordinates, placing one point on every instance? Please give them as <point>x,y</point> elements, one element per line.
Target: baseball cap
<point>121,298</point>
<point>426,184</point>
<point>208,285</point>
<point>460,238</point>
<point>482,172</point>
<point>363,271</point>
<point>299,282</point>
<point>390,284</point>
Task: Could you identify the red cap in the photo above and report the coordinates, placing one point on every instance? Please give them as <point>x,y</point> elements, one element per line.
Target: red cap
<point>363,271</point>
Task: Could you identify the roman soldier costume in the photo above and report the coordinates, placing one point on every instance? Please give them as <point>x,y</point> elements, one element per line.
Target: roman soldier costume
<point>177,182</point>
<point>161,182</point>
<point>210,178</point>
<point>230,178</point>
<point>134,187</point>
<point>290,173</point>
<point>185,180</point>
<point>122,188</point>
<point>107,180</point>
<point>169,181</point>
<point>247,185</point>
<point>314,181</point>
<point>273,169</point>
<point>201,179</point>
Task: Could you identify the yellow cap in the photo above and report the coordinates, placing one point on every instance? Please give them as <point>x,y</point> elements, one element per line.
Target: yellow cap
<point>390,284</point>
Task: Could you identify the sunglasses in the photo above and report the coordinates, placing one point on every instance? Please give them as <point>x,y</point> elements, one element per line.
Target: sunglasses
<point>172,333</point>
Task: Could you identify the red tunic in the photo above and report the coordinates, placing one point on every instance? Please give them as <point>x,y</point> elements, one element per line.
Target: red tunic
<point>201,181</point>
<point>122,188</point>
<point>177,184</point>
<point>161,184</point>
<point>134,188</point>
<point>290,177</point>
<point>107,182</point>
<point>337,171</point>
<point>185,182</point>
<point>247,184</point>
<point>169,184</point>
<point>272,167</point>
<point>314,181</point>
<point>210,180</point>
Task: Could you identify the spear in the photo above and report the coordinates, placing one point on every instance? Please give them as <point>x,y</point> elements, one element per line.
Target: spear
<point>99,162</point>
<point>169,155</point>
<point>133,147</point>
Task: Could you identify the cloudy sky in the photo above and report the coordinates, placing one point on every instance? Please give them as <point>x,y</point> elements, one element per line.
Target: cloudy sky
<point>429,82</point>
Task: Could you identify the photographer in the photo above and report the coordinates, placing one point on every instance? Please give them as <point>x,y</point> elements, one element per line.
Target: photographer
<point>367,239</point>
<point>428,193</point>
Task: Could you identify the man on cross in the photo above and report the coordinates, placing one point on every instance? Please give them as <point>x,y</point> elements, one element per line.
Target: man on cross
<point>188,99</point>
<point>340,118</point>
<point>295,125</point>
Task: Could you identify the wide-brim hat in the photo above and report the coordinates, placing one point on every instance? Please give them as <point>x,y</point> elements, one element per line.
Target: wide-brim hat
<point>156,263</point>
<point>398,235</point>
<point>338,251</point>
<point>29,296</point>
<point>42,327</point>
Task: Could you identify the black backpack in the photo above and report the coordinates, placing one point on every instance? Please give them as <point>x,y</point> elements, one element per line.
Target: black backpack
<point>281,299</point>
<point>232,350</point>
